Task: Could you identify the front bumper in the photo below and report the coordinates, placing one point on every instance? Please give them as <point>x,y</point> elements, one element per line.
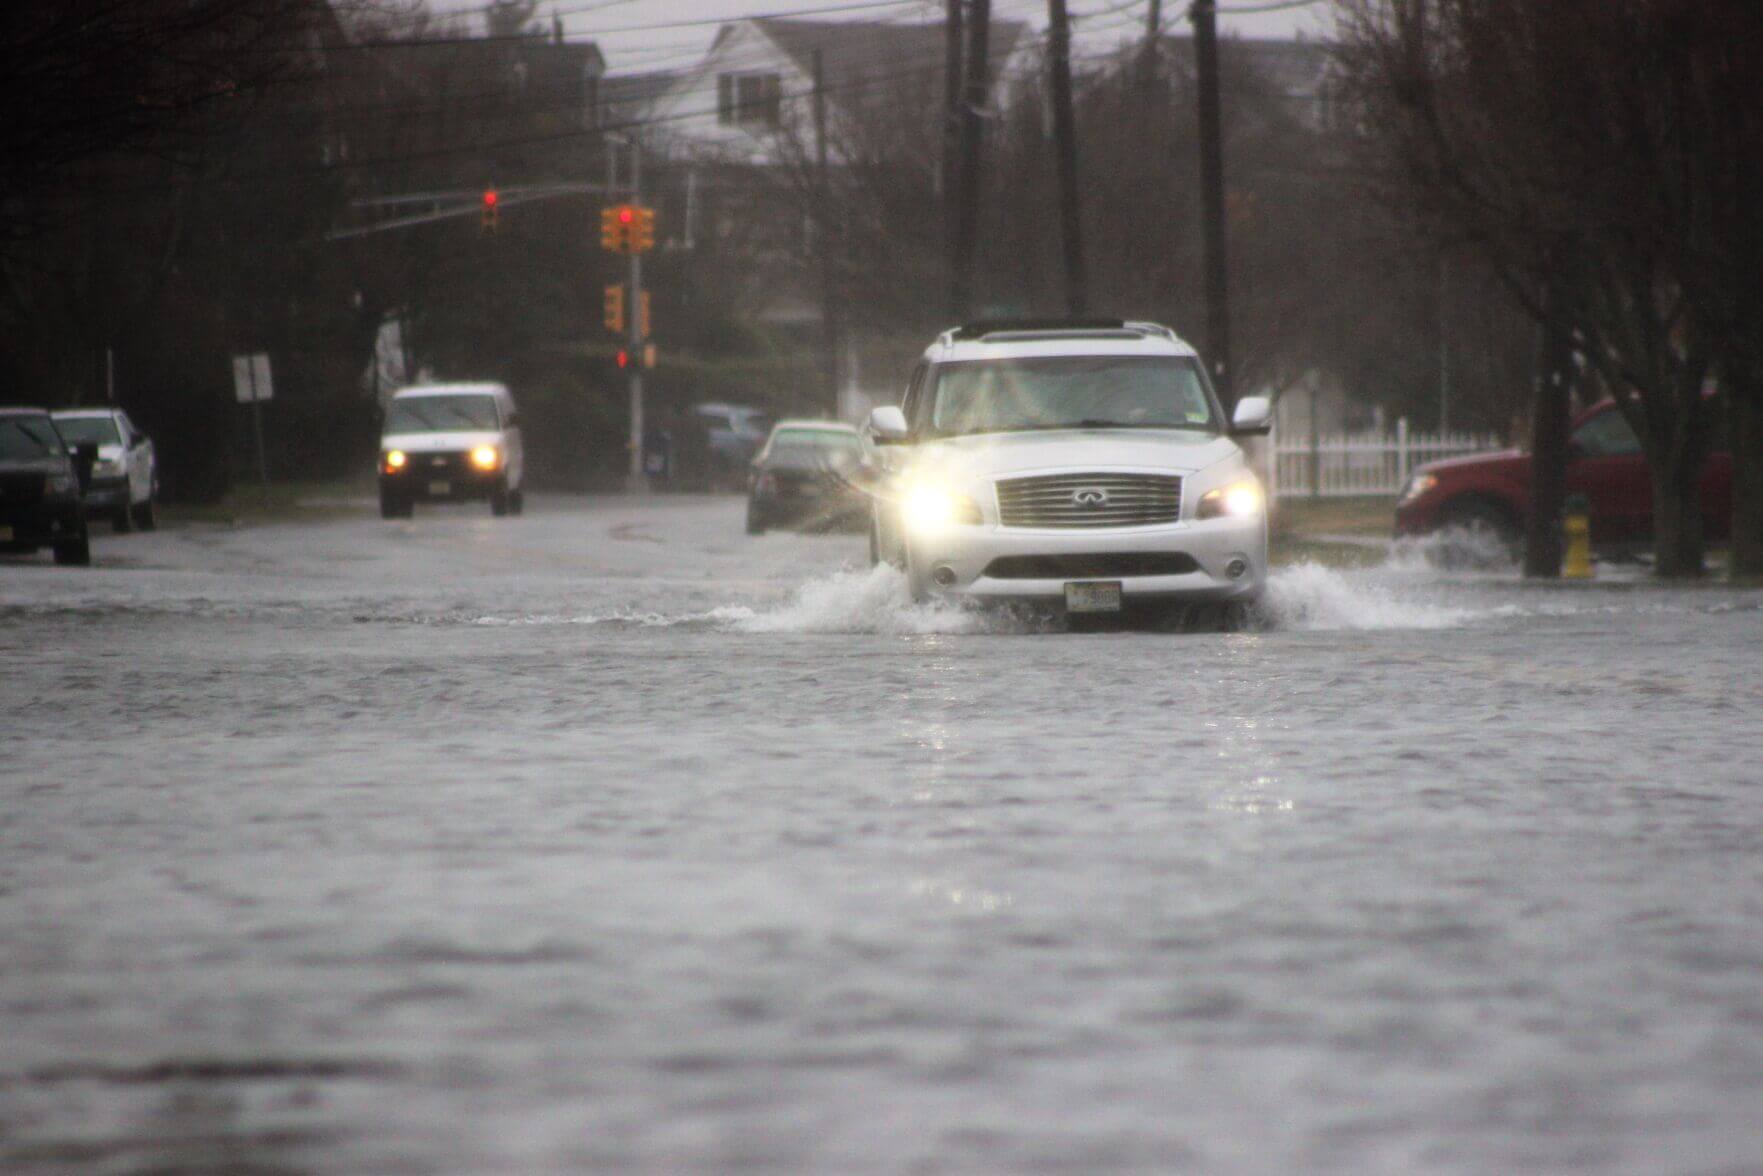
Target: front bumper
<point>441,477</point>
<point>975,556</point>
<point>39,523</point>
<point>107,493</point>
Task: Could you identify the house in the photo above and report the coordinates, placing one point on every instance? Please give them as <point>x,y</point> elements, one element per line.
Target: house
<point>1300,72</point>
<point>757,81</point>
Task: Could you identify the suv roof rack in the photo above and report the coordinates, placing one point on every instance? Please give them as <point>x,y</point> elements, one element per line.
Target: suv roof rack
<point>983,327</point>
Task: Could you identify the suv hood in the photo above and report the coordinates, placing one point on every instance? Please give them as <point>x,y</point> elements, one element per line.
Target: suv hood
<point>1180,451</point>
<point>440,442</point>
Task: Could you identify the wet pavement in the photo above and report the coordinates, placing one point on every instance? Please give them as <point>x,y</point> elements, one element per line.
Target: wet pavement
<point>611,839</point>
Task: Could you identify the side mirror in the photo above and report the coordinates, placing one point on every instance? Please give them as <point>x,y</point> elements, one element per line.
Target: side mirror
<point>887,425</point>
<point>1254,416</point>
<point>85,456</point>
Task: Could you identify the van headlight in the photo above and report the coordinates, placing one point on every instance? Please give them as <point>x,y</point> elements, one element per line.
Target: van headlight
<point>394,460</point>
<point>1239,500</point>
<point>486,457</point>
<point>930,507</point>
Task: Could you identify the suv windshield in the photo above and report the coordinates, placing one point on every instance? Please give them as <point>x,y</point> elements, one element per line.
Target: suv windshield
<point>97,430</point>
<point>442,414</point>
<point>28,439</point>
<point>1069,392</point>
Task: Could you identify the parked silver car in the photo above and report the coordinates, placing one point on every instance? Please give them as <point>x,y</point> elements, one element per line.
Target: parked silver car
<point>125,480</point>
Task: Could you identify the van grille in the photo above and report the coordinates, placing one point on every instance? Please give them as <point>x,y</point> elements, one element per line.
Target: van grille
<point>1089,500</point>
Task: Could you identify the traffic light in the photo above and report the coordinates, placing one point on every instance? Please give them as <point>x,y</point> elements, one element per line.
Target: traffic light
<point>487,218</point>
<point>642,230</point>
<point>624,358</point>
<point>615,308</point>
<point>642,316</point>
<point>614,235</point>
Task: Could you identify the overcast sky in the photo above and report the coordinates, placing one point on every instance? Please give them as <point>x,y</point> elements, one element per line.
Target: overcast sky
<point>1099,24</point>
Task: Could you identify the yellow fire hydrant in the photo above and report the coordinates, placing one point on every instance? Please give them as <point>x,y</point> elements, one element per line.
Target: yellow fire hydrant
<point>1576,526</point>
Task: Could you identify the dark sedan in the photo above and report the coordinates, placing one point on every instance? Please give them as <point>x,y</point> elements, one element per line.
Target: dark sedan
<point>40,493</point>
<point>803,477</point>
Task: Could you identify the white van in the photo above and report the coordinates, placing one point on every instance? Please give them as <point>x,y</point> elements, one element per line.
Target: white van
<point>451,443</point>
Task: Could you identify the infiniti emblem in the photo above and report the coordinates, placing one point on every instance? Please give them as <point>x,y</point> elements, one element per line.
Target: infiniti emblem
<point>1090,496</point>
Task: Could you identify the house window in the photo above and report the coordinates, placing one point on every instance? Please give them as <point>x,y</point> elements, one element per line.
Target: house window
<point>749,100</point>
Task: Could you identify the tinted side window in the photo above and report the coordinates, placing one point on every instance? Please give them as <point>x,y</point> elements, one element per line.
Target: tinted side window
<point>1606,435</point>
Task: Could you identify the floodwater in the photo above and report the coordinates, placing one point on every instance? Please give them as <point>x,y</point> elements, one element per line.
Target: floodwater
<point>610,839</point>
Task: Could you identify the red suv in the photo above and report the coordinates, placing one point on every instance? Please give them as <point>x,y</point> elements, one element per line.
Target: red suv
<point>1491,490</point>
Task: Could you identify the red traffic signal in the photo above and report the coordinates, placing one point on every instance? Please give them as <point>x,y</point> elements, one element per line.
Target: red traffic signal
<point>487,217</point>
<point>624,358</point>
<point>489,197</point>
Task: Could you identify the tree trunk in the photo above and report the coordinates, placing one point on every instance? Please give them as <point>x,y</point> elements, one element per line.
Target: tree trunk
<point>1548,454</point>
<point>1677,517</point>
<point>1745,440</point>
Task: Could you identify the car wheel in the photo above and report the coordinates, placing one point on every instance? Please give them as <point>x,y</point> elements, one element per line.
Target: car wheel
<point>145,516</point>
<point>394,507</point>
<point>516,501</point>
<point>755,520</point>
<point>499,499</point>
<point>121,521</point>
<point>76,551</point>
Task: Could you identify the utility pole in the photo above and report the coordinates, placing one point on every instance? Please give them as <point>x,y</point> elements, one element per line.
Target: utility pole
<point>973,99</point>
<point>829,309</point>
<point>1444,353</point>
<point>1065,154</point>
<point>952,43</point>
<point>637,482</point>
<point>1205,17</point>
<point>1148,55</point>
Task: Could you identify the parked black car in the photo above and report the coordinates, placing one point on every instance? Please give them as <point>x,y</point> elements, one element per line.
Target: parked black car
<point>41,487</point>
<point>804,476</point>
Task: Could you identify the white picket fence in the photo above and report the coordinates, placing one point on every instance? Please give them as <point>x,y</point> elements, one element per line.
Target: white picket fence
<point>1349,465</point>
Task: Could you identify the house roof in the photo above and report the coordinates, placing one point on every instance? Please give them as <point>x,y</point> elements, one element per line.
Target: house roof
<point>853,51</point>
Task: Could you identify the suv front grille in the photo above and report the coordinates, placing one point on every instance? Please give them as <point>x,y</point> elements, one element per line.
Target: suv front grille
<point>1101,565</point>
<point>1089,500</point>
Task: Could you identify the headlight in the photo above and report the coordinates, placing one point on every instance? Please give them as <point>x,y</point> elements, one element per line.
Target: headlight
<point>929,508</point>
<point>1238,500</point>
<point>486,457</point>
<point>1417,485</point>
<point>394,460</point>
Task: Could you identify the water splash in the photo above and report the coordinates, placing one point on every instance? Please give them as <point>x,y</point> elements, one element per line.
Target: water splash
<point>1309,596</point>
<point>873,600</point>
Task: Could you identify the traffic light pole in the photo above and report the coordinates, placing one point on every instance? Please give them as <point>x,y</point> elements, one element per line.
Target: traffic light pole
<point>636,482</point>
<point>1204,14</point>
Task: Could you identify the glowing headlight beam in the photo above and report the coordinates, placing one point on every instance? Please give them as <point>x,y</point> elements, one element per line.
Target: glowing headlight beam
<point>395,459</point>
<point>1238,500</point>
<point>928,508</point>
<point>486,457</point>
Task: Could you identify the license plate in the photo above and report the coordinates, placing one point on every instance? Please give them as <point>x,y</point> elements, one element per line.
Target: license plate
<point>442,488</point>
<point>1094,597</point>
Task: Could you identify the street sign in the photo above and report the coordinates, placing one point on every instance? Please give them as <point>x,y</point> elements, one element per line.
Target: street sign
<point>251,380</point>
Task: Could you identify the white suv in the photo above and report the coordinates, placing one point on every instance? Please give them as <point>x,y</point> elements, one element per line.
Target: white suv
<point>1085,465</point>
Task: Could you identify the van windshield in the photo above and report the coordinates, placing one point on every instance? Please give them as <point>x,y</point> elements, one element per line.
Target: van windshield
<point>466,412</point>
<point>1070,392</point>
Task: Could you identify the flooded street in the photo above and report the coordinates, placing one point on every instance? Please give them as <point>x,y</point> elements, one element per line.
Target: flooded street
<point>609,838</point>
